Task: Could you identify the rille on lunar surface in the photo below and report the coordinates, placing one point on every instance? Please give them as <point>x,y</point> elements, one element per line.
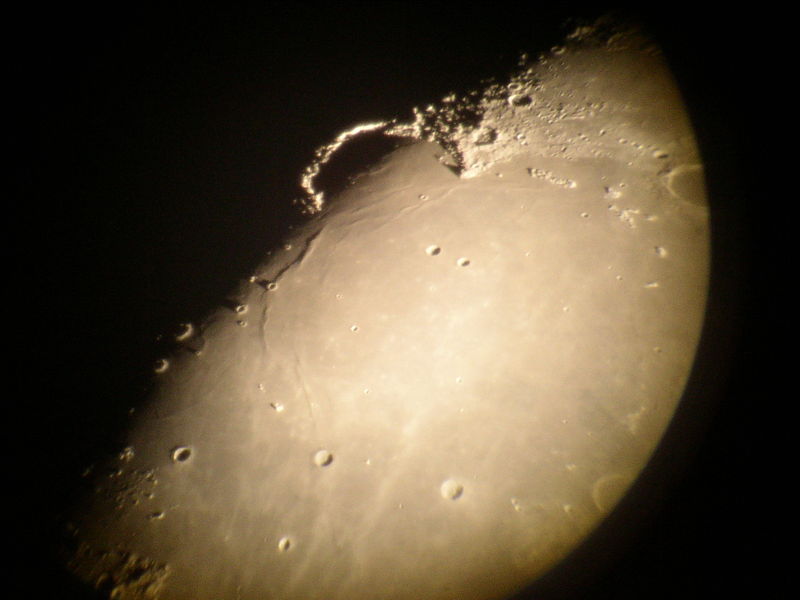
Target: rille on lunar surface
<point>448,378</point>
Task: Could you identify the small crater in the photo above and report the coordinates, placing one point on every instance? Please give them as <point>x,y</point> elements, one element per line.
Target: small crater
<point>354,328</point>
<point>184,332</point>
<point>181,454</point>
<point>241,323</point>
<point>284,544</point>
<point>161,365</point>
<point>608,490</point>
<point>660,251</point>
<point>433,250</point>
<point>463,262</point>
<point>687,183</point>
<point>520,100</point>
<point>451,490</point>
<point>277,406</point>
<point>323,458</point>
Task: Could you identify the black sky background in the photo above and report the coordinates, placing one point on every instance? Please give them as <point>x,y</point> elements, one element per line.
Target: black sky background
<point>156,156</point>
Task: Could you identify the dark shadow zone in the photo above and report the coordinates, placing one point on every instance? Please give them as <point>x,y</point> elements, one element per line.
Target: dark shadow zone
<point>354,158</point>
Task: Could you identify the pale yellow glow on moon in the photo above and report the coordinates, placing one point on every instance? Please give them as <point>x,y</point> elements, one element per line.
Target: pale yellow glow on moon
<point>444,382</point>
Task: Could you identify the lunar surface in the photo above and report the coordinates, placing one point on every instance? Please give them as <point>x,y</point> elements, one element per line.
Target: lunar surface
<point>443,382</point>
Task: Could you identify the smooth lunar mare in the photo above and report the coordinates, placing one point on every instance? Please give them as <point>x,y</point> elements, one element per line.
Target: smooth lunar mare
<point>442,384</point>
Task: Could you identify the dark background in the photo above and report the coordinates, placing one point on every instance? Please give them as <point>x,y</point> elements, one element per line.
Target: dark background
<point>156,156</point>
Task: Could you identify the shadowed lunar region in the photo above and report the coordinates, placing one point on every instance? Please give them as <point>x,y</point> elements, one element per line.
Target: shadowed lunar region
<point>449,375</point>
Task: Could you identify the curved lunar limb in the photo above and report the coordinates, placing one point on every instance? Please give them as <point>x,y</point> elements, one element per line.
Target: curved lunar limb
<point>448,378</point>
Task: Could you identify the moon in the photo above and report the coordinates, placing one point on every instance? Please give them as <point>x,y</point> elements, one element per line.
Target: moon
<point>450,375</point>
